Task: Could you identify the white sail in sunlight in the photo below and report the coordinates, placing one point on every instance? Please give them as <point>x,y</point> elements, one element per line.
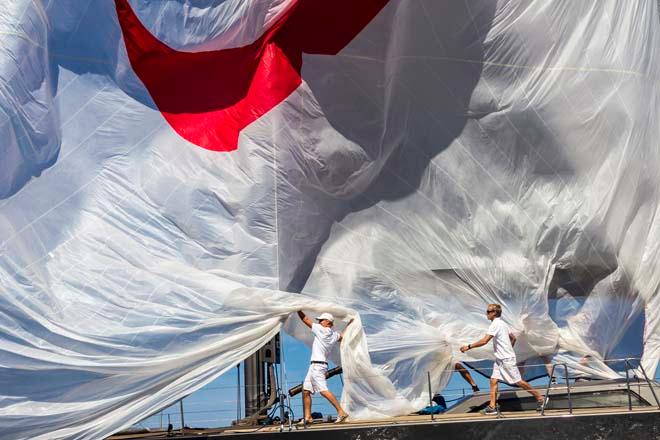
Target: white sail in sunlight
<point>173,177</point>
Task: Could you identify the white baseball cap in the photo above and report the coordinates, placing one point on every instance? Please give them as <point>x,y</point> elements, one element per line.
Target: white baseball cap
<point>327,316</point>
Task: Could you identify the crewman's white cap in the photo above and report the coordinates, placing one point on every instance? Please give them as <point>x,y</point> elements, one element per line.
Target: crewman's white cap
<point>327,316</point>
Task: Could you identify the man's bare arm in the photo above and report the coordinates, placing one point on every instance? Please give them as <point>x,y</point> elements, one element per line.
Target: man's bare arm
<point>341,335</point>
<point>512,338</point>
<point>481,342</point>
<point>305,319</point>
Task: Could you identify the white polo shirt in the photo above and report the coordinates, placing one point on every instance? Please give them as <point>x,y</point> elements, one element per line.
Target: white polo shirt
<point>501,342</point>
<point>324,339</point>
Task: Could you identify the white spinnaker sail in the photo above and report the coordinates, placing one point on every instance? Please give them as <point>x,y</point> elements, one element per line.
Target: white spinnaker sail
<point>451,154</point>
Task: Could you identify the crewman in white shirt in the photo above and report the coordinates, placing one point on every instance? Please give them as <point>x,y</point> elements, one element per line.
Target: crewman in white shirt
<point>324,339</point>
<point>505,368</point>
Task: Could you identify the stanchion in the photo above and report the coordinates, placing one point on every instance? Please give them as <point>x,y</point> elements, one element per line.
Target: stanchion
<point>181,410</point>
<point>238,392</point>
<point>428,374</point>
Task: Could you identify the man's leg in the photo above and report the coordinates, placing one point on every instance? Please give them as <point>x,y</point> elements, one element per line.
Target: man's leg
<point>465,374</point>
<point>333,400</point>
<point>307,404</point>
<point>493,392</point>
<point>548,368</point>
<point>524,385</point>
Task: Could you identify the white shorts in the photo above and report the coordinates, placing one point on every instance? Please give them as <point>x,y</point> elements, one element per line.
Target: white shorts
<point>506,370</point>
<point>315,379</point>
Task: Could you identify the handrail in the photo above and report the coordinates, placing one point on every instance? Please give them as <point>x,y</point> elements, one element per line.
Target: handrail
<point>172,413</point>
<point>568,388</point>
<point>646,378</point>
<point>629,366</point>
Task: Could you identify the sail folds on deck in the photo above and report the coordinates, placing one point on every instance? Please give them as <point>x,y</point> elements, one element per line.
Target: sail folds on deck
<point>173,175</point>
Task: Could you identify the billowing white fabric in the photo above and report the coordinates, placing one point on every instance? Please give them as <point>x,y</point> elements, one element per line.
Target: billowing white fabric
<point>520,138</point>
<point>198,26</point>
<point>454,154</point>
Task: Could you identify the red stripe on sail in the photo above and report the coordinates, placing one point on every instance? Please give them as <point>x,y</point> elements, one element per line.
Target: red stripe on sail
<point>209,97</point>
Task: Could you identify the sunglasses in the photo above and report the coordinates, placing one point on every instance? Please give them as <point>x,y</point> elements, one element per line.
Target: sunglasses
<point>490,311</point>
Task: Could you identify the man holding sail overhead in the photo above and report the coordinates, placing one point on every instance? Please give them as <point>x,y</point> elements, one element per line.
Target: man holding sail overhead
<point>325,337</point>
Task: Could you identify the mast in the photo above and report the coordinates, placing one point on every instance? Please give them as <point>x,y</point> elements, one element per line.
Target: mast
<point>260,381</point>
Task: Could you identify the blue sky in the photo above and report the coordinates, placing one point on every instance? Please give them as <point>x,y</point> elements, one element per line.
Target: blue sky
<point>215,404</point>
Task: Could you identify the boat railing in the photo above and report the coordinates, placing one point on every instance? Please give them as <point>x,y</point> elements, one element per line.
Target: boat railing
<point>568,388</point>
<point>628,367</point>
<point>199,409</point>
<point>646,378</point>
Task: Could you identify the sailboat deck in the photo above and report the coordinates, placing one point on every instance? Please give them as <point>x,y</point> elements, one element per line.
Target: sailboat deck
<point>469,418</point>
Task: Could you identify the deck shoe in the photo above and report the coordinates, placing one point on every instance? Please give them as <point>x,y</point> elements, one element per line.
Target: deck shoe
<point>489,411</point>
<point>542,403</point>
<point>341,419</point>
<point>304,423</point>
